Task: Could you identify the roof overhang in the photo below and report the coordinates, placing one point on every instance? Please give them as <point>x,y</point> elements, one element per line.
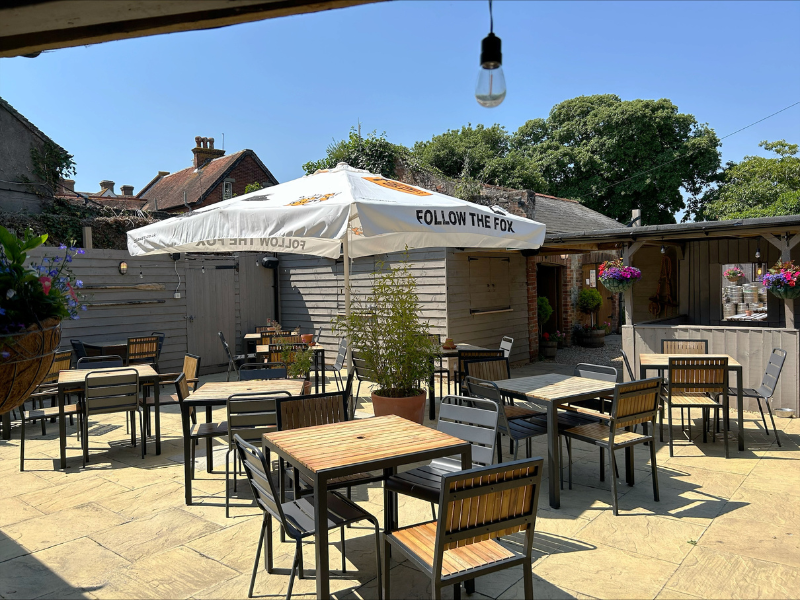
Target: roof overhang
<point>610,239</point>
<point>28,27</point>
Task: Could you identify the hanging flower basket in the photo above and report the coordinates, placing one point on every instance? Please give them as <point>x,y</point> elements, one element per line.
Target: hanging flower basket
<point>783,280</point>
<point>616,285</point>
<point>733,274</point>
<point>617,277</point>
<point>787,293</point>
<point>25,361</point>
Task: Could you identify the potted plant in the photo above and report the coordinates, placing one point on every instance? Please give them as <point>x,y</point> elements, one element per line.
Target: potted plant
<point>560,338</point>
<point>298,363</point>
<point>783,280</point>
<point>591,336</point>
<point>34,298</point>
<point>617,277</point>
<point>733,274</point>
<point>547,344</point>
<point>386,330</point>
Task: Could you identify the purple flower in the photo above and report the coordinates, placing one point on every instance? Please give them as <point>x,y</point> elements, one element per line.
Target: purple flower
<point>62,247</point>
<point>74,317</point>
<point>2,311</point>
<point>5,354</point>
<point>68,258</point>
<point>83,307</point>
<point>53,273</point>
<point>81,251</point>
<point>79,283</point>
<point>56,259</point>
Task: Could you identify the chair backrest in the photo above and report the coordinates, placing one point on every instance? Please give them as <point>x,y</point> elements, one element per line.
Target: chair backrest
<point>252,415</point>
<point>362,372</point>
<point>111,391</point>
<point>482,388</point>
<point>191,368</point>
<point>684,346</point>
<point>264,329</point>
<point>61,362</point>
<point>635,402</point>
<point>341,355</point>
<point>505,345</point>
<point>487,503</point>
<point>311,410</point>
<point>227,349</point>
<point>317,335</point>
<point>628,365</point>
<point>161,337</point>
<point>276,351</point>
<point>269,370</point>
<point>143,350</point>
<point>257,469</point>
<point>286,337</point>
<point>773,372</point>
<point>473,420</point>
<point>182,387</point>
<point>465,355</point>
<point>601,372</point>
<point>488,369</point>
<point>78,349</point>
<point>709,375</point>
<point>99,362</point>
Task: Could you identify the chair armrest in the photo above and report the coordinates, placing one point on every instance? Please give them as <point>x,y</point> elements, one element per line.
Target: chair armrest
<point>586,411</point>
<point>169,377</point>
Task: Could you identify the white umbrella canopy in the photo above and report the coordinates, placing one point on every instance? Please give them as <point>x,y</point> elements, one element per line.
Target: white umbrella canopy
<point>334,211</point>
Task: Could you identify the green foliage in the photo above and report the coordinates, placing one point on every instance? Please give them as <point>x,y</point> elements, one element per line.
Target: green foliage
<point>298,363</point>
<point>589,300</point>
<point>31,293</point>
<point>252,187</point>
<point>543,310</point>
<point>756,187</point>
<point>51,164</point>
<point>387,332</point>
<point>373,153</point>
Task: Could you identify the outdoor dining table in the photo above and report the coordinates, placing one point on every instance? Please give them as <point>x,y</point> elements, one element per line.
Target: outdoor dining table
<point>553,390</point>
<point>327,452</point>
<point>319,359</point>
<point>107,347</point>
<point>74,380</point>
<point>215,393</point>
<point>660,362</point>
<point>445,353</point>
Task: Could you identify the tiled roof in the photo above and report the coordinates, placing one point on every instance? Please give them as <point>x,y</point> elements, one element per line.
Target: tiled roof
<point>561,215</point>
<point>116,202</point>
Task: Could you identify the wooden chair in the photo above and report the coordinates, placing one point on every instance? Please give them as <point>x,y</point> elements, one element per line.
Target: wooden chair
<point>286,337</point>
<point>476,507</point>
<point>498,369</point>
<point>601,372</point>
<point>268,370</point>
<point>505,345</point>
<point>684,346</point>
<point>465,355</point>
<point>197,431</point>
<point>516,429</point>
<point>634,402</point>
<point>474,420</point>
<point>161,337</point>
<point>296,517</point>
<point>190,371</point>
<point>234,360</point>
<point>143,350</point>
<point>111,392</point>
<point>250,416</point>
<point>767,388</point>
<point>696,383</point>
<point>99,362</point>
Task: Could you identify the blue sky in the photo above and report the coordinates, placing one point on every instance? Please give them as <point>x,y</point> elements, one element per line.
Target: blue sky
<point>286,87</point>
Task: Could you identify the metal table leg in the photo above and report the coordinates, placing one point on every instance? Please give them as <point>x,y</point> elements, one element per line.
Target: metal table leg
<point>62,429</point>
<point>157,403</point>
<point>187,454</point>
<point>432,397</point>
<point>321,543</point>
<point>210,442</point>
<point>739,406</point>
<point>553,462</point>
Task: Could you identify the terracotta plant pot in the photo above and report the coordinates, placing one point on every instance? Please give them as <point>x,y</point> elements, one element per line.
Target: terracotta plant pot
<point>307,338</point>
<point>30,355</point>
<point>411,408</point>
<point>548,348</point>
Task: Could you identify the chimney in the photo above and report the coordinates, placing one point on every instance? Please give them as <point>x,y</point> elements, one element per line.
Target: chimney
<point>106,184</point>
<point>204,151</point>
<point>127,190</point>
<point>162,174</point>
<point>636,216</point>
<point>67,185</point>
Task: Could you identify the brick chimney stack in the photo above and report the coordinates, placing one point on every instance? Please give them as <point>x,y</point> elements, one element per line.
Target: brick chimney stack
<point>107,184</point>
<point>126,190</point>
<point>69,184</point>
<point>204,151</point>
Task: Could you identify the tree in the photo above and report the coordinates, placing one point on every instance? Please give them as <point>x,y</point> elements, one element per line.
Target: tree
<point>756,187</point>
<point>616,155</point>
<point>373,153</point>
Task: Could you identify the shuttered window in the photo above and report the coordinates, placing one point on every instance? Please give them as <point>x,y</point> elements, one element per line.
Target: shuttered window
<point>489,284</point>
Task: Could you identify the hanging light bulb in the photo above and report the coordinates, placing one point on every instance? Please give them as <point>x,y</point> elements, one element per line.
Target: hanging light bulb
<point>758,252</point>
<point>203,268</point>
<point>663,249</point>
<point>490,90</point>
<point>141,273</point>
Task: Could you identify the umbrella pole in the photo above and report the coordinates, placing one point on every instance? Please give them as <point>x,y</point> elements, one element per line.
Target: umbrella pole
<point>346,253</point>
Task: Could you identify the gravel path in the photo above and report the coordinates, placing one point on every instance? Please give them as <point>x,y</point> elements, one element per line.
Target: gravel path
<point>609,355</point>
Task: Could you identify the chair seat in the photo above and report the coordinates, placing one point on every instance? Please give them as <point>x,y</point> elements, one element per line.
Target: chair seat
<point>519,429</point>
<point>204,430</point>
<point>300,514</point>
<point>567,419</point>
<point>420,540</point>
<point>746,392</point>
<point>424,482</point>
<point>521,412</point>
<point>44,413</point>
<point>162,400</point>
<point>693,399</point>
<point>600,433</point>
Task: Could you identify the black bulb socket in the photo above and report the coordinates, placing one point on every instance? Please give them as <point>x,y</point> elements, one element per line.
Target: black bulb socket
<point>491,55</point>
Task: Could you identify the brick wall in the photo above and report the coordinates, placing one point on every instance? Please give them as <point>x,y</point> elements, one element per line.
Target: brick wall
<point>245,173</point>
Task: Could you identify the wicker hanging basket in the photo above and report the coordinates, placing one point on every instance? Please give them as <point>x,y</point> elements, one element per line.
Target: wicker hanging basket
<point>787,293</point>
<point>30,355</point>
<point>616,286</point>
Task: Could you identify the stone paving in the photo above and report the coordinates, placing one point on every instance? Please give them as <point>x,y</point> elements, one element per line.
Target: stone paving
<point>120,529</point>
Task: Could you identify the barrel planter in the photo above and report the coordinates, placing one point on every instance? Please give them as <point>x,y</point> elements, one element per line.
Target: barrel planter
<point>548,348</point>
<point>29,356</point>
<point>594,338</point>
<point>787,292</point>
<point>618,285</point>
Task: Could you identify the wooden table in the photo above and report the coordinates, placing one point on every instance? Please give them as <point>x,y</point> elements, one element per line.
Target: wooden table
<point>446,353</point>
<point>75,380</point>
<point>105,347</point>
<point>660,362</point>
<point>553,390</point>
<point>250,340</point>
<point>319,359</point>
<point>215,393</point>
<point>329,451</point>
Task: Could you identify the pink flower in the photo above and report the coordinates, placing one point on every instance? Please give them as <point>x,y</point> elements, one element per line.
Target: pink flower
<point>47,283</point>
<point>72,291</point>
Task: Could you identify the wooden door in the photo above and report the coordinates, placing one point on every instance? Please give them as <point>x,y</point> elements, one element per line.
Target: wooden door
<point>606,311</point>
<point>210,308</point>
<point>548,284</point>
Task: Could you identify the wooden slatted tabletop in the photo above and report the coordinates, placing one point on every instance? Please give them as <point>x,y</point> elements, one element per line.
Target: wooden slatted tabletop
<point>252,336</point>
<point>453,352</point>
<point>662,360</point>
<point>357,442</point>
<point>220,390</point>
<point>553,387</point>
<point>79,375</point>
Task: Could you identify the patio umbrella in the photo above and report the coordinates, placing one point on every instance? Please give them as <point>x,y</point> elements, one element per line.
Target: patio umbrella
<point>335,212</point>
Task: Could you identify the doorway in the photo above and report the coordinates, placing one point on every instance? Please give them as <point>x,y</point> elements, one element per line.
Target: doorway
<point>548,284</point>
<point>605,314</point>
<point>210,308</point>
